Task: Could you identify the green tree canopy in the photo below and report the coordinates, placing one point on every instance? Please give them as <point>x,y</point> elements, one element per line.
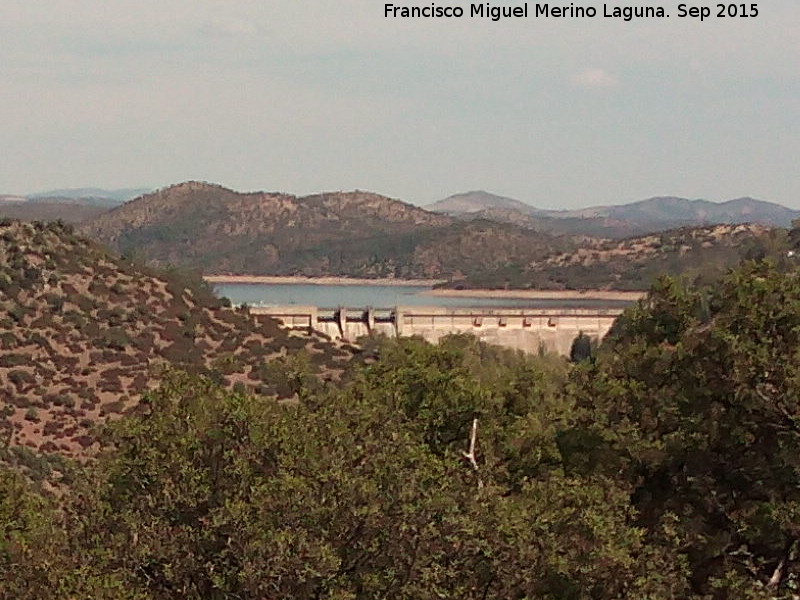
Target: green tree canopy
<point>695,399</point>
<point>364,493</point>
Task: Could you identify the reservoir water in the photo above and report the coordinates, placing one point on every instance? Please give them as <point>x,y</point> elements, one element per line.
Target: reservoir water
<point>385,296</point>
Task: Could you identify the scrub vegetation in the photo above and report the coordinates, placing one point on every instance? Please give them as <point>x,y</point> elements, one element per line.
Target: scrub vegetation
<point>84,334</point>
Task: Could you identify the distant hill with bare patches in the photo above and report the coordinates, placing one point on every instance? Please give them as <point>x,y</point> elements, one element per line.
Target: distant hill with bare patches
<point>355,234</point>
<point>701,254</point>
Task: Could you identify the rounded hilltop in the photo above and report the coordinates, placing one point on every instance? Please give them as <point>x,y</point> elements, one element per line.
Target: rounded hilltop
<point>346,234</point>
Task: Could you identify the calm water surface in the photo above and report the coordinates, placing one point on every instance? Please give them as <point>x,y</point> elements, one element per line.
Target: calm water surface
<point>382,296</point>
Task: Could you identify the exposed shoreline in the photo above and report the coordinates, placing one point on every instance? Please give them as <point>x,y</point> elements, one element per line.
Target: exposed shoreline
<point>540,294</point>
<point>295,280</point>
<point>464,293</point>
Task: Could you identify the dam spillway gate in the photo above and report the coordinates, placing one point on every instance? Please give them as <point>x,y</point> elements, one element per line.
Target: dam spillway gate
<point>530,330</point>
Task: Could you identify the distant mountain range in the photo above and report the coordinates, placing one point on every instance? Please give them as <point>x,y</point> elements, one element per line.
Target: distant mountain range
<point>362,234</point>
<point>637,218</point>
<point>77,205</point>
<point>69,205</point>
<point>479,201</point>
<point>92,196</point>
<point>475,239</point>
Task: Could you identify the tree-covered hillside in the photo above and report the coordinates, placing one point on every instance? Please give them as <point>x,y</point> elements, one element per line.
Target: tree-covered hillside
<point>701,254</point>
<point>355,234</point>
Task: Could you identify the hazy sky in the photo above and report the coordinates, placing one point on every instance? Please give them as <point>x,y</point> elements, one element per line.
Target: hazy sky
<point>310,95</point>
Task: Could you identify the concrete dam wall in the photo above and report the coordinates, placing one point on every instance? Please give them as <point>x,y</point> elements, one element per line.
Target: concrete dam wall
<point>523,329</point>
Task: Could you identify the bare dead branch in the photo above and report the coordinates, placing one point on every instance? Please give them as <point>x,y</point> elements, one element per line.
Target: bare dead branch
<point>779,575</point>
<point>470,456</point>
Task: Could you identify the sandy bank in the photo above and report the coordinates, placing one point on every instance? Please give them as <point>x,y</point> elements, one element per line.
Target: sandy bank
<point>540,294</point>
<point>257,279</point>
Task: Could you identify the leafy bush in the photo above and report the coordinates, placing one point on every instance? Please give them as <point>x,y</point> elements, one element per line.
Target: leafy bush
<point>15,360</point>
<point>19,378</point>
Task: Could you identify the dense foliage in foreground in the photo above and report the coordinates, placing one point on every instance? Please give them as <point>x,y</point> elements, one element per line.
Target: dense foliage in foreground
<point>666,466</point>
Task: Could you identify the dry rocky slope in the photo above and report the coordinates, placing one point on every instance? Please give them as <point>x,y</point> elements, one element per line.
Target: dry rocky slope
<point>83,334</point>
<point>354,234</point>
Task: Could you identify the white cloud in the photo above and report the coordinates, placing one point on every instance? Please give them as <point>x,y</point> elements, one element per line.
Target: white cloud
<point>595,78</point>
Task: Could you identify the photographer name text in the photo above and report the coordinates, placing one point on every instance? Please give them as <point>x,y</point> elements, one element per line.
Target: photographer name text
<point>497,12</point>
